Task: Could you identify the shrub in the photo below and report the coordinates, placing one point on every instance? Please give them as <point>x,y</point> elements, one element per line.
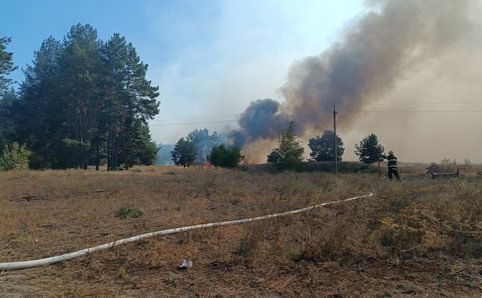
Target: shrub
<point>225,157</point>
<point>251,239</point>
<point>14,157</point>
<point>124,213</point>
<point>466,244</point>
<point>400,236</point>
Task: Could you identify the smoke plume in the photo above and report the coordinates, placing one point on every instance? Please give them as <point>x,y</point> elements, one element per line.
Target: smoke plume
<point>374,52</point>
<point>263,119</point>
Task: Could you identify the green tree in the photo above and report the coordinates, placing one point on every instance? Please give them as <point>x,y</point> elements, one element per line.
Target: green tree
<point>289,154</point>
<point>39,114</point>
<point>128,98</point>
<point>58,96</point>
<point>14,157</point>
<point>7,128</point>
<point>79,66</point>
<point>322,147</point>
<point>204,142</point>
<point>6,64</point>
<point>7,96</point>
<point>139,149</point>
<point>184,153</point>
<point>369,150</point>
<point>85,102</point>
<point>226,157</point>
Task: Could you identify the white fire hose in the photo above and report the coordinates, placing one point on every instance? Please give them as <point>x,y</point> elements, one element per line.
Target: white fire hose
<point>87,251</point>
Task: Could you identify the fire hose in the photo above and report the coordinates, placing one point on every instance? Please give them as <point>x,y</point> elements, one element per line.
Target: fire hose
<point>69,256</point>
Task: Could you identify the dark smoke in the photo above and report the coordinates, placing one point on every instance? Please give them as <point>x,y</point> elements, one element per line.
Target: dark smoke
<point>261,120</point>
<point>378,49</point>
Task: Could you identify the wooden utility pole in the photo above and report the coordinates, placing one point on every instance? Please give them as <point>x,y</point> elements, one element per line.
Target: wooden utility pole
<point>334,139</point>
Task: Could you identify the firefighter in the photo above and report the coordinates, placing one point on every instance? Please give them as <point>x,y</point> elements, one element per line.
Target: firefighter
<point>392,165</point>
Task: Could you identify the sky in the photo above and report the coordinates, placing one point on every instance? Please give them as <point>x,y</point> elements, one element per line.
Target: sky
<point>202,53</point>
<point>209,58</point>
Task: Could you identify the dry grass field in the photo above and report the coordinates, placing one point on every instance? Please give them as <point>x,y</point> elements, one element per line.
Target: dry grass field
<point>419,237</point>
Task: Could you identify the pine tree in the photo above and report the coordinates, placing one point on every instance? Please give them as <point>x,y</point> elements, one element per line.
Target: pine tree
<point>78,69</point>
<point>289,154</point>
<point>39,114</point>
<point>369,150</point>
<point>139,149</point>
<point>128,99</point>
<point>84,102</point>
<point>7,96</point>
<point>7,128</point>
<point>6,64</point>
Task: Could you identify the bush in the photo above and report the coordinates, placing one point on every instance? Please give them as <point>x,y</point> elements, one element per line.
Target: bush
<point>225,157</point>
<point>251,240</point>
<point>14,157</point>
<point>398,235</point>
<point>124,213</point>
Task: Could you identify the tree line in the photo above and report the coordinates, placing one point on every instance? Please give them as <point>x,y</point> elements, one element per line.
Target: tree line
<point>200,146</point>
<point>83,102</point>
<point>289,153</point>
<point>86,102</point>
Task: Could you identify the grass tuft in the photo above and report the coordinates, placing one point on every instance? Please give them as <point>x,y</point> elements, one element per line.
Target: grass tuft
<point>124,213</point>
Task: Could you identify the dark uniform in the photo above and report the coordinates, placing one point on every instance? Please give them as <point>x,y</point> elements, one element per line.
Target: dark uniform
<point>392,166</point>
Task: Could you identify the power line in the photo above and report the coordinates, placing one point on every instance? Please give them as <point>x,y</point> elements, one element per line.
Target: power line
<point>363,127</point>
<point>421,111</point>
<point>428,103</point>
<point>365,111</point>
<point>163,121</point>
<point>426,127</point>
<point>421,101</point>
<point>185,121</point>
<point>200,117</point>
<point>189,123</point>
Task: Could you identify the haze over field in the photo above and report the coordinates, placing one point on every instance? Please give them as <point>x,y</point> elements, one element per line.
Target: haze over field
<point>405,70</point>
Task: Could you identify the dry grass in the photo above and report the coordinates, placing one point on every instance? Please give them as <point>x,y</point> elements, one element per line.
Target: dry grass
<point>420,237</point>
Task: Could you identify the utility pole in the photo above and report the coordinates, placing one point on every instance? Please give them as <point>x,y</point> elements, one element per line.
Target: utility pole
<point>334,139</point>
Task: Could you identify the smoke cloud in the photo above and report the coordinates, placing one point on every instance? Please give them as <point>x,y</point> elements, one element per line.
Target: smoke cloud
<point>263,119</point>
<point>374,52</point>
